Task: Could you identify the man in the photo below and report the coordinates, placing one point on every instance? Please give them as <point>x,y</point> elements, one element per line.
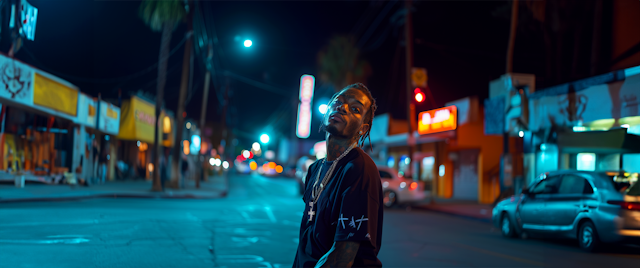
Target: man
<point>342,222</point>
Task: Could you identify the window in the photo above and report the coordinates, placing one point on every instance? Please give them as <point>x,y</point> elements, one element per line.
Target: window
<point>385,175</point>
<point>574,184</point>
<point>547,186</point>
<point>634,190</point>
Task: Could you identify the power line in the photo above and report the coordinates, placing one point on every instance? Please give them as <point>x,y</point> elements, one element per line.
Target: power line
<point>106,80</point>
<point>257,84</point>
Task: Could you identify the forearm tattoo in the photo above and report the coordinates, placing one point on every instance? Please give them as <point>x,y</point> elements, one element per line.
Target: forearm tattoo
<point>341,255</point>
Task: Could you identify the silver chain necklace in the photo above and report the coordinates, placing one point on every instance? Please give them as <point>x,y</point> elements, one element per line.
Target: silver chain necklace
<point>317,191</point>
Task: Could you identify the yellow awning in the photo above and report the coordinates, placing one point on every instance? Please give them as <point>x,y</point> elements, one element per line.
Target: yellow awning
<point>137,122</point>
<point>52,94</point>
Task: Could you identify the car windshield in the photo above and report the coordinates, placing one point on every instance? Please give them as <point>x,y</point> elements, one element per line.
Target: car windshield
<point>634,190</point>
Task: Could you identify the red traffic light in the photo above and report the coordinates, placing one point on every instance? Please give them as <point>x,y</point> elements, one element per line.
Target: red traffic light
<point>419,96</point>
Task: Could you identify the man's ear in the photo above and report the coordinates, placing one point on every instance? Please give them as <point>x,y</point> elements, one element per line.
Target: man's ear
<point>365,128</point>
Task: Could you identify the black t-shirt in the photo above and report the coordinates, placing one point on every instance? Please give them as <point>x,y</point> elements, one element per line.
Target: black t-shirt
<point>349,209</point>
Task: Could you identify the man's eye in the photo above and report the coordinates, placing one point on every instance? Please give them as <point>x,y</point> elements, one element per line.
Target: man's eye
<point>356,110</point>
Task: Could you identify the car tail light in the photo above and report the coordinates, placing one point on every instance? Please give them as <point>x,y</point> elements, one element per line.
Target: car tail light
<point>626,205</point>
<point>413,186</point>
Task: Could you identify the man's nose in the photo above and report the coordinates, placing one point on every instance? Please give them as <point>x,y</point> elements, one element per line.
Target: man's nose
<point>342,108</point>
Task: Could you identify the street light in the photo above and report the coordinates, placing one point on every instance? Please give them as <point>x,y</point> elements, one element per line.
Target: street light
<point>256,146</point>
<point>247,43</point>
<point>264,138</point>
<point>323,108</point>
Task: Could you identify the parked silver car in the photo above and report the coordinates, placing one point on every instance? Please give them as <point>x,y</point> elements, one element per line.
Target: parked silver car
<point>592,207</point>
<point>397,189</point>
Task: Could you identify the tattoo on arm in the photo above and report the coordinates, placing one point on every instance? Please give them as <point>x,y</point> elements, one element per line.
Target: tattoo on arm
<point>342,254</point>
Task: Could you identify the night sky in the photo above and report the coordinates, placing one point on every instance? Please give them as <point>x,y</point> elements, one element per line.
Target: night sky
<point>461,43</point>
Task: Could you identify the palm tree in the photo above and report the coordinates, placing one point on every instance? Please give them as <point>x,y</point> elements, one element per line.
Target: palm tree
<point>161,16</point>
<point>340,63</point>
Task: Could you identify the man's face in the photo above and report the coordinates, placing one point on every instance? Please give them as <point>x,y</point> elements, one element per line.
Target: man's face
<point>345,117</point>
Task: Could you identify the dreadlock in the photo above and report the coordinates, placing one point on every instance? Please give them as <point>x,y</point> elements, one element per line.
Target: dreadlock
<point>368,118</point>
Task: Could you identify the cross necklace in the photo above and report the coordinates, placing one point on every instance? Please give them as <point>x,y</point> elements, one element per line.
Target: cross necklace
<point>316,191</point>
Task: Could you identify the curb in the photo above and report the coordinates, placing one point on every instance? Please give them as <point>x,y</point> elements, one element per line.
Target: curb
<point>115,195</point>
<point>453,214</point>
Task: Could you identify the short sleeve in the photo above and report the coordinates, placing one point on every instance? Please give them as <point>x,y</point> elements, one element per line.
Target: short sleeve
<point>358,217</point>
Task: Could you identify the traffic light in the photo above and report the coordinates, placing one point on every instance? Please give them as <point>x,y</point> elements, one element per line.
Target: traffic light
<point>419,96</point>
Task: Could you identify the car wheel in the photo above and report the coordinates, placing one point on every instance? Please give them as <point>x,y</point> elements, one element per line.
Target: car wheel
<point>389,199</point>
<point>588,238</point>
<point>506,226</point>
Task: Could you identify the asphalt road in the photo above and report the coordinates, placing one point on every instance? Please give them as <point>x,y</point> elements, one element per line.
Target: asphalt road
<point>255,226</point>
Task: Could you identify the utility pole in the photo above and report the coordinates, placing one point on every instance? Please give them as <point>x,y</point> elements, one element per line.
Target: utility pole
<point>203,112</point>
<point>184,85</point>
<point>225,106</point>
<point>409,65</point>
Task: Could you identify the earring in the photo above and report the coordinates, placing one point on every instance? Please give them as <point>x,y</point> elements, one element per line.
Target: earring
<point>360,132</point>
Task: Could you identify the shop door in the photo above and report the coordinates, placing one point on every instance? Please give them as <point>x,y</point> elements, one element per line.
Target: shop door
<point>465,175</point>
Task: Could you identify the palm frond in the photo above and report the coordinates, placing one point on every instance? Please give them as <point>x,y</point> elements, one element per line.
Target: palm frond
<point>155,13</point>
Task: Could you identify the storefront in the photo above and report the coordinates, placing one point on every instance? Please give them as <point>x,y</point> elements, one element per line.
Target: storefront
<point>95,145</point>
<point>452,155</point>
<point>594,128</point>
<point>136,134</point>
<point>39,112</point>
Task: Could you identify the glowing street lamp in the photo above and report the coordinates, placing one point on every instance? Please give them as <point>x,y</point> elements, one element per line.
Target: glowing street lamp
<point>264,138</point>
<point>323,108</point>
<point>256,146</point>
<point>247,43</point>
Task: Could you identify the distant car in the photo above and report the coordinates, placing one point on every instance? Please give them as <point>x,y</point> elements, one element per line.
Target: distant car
<point>592,207</point>
<point>397,189</point>
<point>302,167</point>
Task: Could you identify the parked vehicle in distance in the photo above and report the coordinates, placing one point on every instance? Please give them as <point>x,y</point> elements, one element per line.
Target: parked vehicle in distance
<point>302,167</point>
<point>592,207</point>
<point>397,189</point>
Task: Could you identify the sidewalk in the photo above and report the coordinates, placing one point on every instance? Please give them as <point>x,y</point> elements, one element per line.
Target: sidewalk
<point>462,208</point>
<point>215,187</point>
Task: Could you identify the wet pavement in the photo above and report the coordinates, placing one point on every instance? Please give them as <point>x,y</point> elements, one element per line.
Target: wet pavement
<point>256,225</point>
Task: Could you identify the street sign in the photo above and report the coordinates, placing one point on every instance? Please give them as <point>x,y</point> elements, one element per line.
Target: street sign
<point>419,77</point>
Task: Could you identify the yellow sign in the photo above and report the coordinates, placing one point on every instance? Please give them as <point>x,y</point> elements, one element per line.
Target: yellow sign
<point>92,110</point>
<point>54,95</point>
<point>419,77</point>
<point>437,120</point>
<point>137,122</point>
<point>112,113</point>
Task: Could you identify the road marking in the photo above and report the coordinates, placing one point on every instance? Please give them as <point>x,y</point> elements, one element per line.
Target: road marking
<point>52,241</point>
<point>53,236</point>
<point>270,214</point>
<point>496,254</point>
<point>50,223</point>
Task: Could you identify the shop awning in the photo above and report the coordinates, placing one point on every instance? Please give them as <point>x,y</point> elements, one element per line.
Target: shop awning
<point>612,141</point>
<point>137,122</point>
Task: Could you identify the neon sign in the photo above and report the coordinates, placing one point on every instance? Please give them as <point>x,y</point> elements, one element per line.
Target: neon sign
<point>437,120</point>
<point>303,125</point>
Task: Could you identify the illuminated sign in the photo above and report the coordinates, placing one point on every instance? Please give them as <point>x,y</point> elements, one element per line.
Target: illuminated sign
<point>437,120</point>
<point>303,125</point>
<point>195,144</point>
<point>145,118</point>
